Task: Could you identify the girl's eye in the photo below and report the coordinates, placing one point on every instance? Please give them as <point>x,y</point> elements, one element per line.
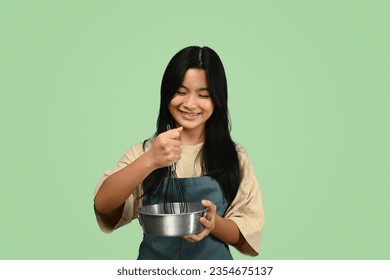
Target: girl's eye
<point>180,93</point>
<point>204,96</point>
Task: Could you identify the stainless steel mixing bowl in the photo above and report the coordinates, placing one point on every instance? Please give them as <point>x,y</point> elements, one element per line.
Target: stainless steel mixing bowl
<point>155,222</point>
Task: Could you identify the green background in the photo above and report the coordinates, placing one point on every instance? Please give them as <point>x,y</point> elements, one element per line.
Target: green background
<point>309,101</point>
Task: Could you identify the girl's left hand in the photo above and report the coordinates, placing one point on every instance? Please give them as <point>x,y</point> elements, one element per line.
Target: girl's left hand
<point>208,222</point>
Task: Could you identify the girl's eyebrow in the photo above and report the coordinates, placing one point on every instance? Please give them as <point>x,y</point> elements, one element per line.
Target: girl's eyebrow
<point>199,89</point>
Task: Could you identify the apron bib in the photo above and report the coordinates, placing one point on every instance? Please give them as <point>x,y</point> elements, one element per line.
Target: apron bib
<point>175,248</point>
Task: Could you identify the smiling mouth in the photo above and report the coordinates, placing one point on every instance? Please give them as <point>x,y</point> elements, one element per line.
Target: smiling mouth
<point>188,114</point>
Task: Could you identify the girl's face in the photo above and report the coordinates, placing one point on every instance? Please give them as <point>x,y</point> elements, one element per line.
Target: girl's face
<point>191,106</point>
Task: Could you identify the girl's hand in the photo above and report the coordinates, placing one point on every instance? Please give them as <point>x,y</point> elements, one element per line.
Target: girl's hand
<point>166,148</point>
<point>208,222</point>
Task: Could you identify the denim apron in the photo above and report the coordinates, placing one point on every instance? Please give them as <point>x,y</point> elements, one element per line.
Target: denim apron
<point>175,248</point>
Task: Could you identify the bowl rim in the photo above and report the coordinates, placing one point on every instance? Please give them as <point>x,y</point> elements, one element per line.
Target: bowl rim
<point>139,210</point>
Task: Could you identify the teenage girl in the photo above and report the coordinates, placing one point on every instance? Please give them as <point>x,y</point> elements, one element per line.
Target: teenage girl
<point>212,168</point>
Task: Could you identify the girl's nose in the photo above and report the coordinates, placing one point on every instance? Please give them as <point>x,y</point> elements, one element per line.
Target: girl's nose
<point>190,100</point>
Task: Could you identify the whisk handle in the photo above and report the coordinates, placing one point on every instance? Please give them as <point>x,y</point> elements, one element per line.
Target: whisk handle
<point>173,165</point>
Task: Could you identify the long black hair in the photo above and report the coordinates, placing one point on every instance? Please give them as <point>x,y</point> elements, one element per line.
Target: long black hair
<point>218,155</point>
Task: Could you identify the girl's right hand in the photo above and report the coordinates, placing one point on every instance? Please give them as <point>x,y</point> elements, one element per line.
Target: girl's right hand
<point>166,148</point>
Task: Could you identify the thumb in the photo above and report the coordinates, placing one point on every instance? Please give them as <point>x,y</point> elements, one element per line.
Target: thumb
<point>175,133</point>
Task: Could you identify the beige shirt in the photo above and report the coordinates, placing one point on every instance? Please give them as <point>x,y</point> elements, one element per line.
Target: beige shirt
<point>246,209</point>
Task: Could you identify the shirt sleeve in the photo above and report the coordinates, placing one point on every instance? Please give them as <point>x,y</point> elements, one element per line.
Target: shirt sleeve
<point>132,203</point>
<point>246,209</point>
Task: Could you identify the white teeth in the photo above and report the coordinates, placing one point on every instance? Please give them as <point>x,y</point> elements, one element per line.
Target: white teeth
<point>189,114</point>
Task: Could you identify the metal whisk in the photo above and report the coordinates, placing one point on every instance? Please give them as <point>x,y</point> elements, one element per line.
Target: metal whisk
<point>174,200</point>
